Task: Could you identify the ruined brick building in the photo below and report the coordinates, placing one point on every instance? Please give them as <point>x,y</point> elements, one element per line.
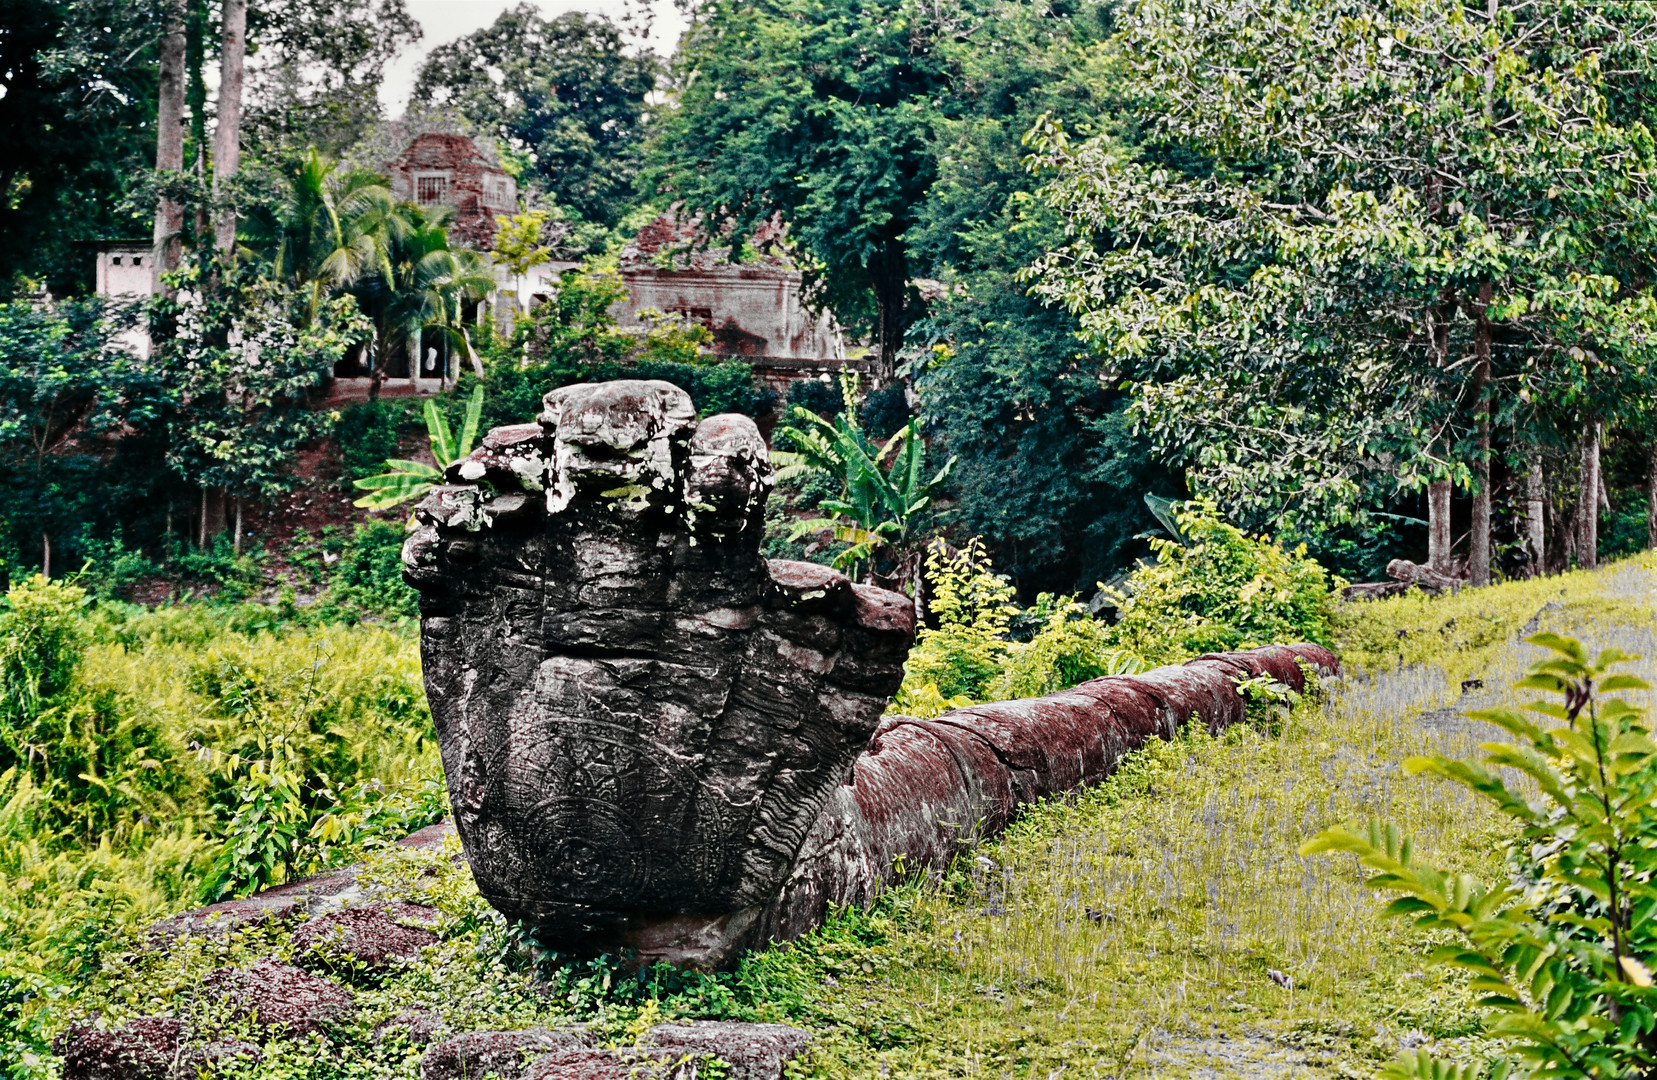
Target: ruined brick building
<point>754,309</point>
<point>452,170</point>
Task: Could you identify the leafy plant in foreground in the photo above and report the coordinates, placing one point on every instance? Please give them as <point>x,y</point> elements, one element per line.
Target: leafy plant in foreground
<point>408,480</point>
<point>1560,951</point>
<point>1071,647</point>
<point>951,666</point>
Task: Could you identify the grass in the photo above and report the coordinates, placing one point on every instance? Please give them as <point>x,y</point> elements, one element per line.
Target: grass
<point>1132,930</point>
<point>120,816</point>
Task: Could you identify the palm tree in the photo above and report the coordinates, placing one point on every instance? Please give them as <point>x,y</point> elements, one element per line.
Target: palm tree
<point>422,283</point>
<point>328,230</point>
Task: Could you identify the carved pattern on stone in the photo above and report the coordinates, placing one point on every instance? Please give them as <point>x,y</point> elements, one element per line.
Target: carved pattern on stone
<point>640,718</point>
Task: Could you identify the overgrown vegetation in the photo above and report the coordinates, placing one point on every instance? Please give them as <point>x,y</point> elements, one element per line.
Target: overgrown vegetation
<point>1161,924</point>
<point>1212,589</point>
<point>153,760</point>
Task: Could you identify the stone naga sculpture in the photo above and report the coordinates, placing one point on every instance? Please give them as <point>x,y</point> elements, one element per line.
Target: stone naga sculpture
<point>657,741</point>
<point>641,719</point>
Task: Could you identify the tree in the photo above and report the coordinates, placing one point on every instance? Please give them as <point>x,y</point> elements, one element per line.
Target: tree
<point>169,140</point>
<point>421,285</point>
<point>1355,240</point>
<point>316,69</point>
<point>227,132</point>
<point>328,229</point>
<point>66,383</point>
<point>246,356</point>
<point>77,118</point>
<point>561,94</point>
<point>822,113</point>
<point>1050,471</point>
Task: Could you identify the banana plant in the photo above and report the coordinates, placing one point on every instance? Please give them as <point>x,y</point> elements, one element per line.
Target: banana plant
<point>884,489</point>
<point>405,480</point>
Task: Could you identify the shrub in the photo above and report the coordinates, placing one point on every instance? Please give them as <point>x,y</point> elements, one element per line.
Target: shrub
<point>1220,590</point>
<point>368,433</point>
<point>673,338</point>
<point>41,642</point>
<point>1071,647</point>
<point>369,575</point>
<point>973,606</point>
<point>111,567</point>
<point>816,395</point>
<point>724,387</point>
<point>1559,952</point>
<point>95,758</point>
<point>232,577</point>
<point>884,411</point>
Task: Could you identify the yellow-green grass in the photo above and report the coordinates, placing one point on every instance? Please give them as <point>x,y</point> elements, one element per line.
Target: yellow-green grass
<point>1133,931</point>
<point>160,704</point>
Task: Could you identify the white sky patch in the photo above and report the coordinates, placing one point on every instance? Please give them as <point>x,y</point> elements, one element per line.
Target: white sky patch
<point>444,21</point>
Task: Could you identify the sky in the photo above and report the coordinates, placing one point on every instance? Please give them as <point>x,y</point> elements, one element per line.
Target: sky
<point>445,20</point>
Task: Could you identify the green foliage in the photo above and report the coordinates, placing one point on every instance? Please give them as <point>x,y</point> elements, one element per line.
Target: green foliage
<point>111,567</point>
<point>853,86</point>
<point>1221,590</point>
<point>964,654</point>
<point>1286,251</point>
<point>567,98</point>
<point>409,480</point>
<point>41,641</point>
<point>573,337</point>
<point>92,757</point>
<point>232,577</point>
<point>246,359</point>
<point>80,117</point>
<point>817,395</point>
<point>147,756</point>
<point>326,230</point>
<point>369,574</point>
<point>518,245</point>
<point>419,284</point>
<point>368,433</point>
<point>68,386</point>
<point>1071,647</point>
<point>1556,953</point>
<point>884,412</point>
<point>672,338</point>
<point>1050,466</point>
<point>884,490</point>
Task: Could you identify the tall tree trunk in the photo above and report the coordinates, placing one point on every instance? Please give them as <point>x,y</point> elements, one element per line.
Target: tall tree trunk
<point>1587,499</point>
<point>890,275</point>
<point>1438,526</point>
<point>1536,516</point>
<point>227,136</point>
<point>1564,532</point>
<point>1651,498</point>
<point>169,142</point>
<point>237,545</point>
<point>1439,536</point>
<point>45,555</point>
<point>1478,540</point>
